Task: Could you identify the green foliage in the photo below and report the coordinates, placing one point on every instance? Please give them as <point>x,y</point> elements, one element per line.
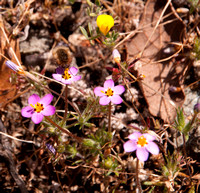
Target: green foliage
<point>171,168</point>
<point>194,5</point>
<point>71,150</point>
<point>111,38</point>
<point>94,9</point>
<point>111,164</point>
<point>196,49</point>
<point>91,109</point>
<point>180,123</point>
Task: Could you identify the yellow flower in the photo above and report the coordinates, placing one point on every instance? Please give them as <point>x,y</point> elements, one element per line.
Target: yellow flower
<point>105,22</point>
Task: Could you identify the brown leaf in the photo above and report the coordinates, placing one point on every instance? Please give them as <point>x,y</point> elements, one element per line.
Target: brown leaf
<point>7,89</point>
<point>159,76</point>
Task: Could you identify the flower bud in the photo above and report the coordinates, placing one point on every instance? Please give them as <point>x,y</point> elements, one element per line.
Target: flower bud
<point>197,108</point>
<point>14,67</point>
<point>90,143</point>
<point>108,163</point>
<point>116,56</point>
<point>60,148</point>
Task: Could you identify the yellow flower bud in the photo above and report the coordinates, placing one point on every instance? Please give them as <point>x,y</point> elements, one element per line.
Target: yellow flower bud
<point>105,22</point>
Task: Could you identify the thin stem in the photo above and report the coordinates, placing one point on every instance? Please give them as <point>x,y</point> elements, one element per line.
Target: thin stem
<point>185,155</point>
<point>137,177</point>
<point>66,105</point>
<point>109,117</point>
<point>64,130</point>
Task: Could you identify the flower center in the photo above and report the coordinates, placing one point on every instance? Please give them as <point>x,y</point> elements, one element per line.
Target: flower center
<point>38,107</point>
<point>142,141</point>
<point>109,92</point>
<point>66,74</point>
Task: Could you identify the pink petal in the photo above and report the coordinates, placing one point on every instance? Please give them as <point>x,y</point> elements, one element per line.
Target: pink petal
<point>142,154</point>
<point>48,110</point>
<point>134,136</point>
<point>37,118</point>
<point>60,70</point>
<point>27,111</point>
<point>69,81</point>
<point>46,100</point>
<point>119,89</point>
<point>116,99</point>
<point>130,146</point>
<point>57,77</point>
<point>109,84</point>
<point>149,137</point>
<point>73,70</point>
<point>33,99</point>
<point>99,91</point>
<point>104,100</point>
<point>153,148</point>
<point>75,78</point>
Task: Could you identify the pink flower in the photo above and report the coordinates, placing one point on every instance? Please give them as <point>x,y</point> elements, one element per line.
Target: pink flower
<point>143,144</point>
<point>38,108</point>
<point>109,93</point>
<point>66,76</point>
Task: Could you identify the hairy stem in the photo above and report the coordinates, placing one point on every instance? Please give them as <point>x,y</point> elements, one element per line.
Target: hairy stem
<point>137,177</point>
<point>109,118</point>
<point>66,105</point>
<point>64,130</point>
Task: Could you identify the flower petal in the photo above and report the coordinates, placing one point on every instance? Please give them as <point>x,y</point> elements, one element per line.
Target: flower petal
<point>57,77</point>
<point>60,70</point>
<point>153,148</point>
<point>116,99</point>
<point>134,136</point>
<point>48,110</point>
<point>73,70</point>
<point>65,81</point>
<point>46,100</point>
<point>109,84</point>
<point>142,154</point>
<point>130,146</point>
<point>75,78</point>
<point>149,137</point>
<point>37,117</point>
<point>99,91</point>
<point>104,100</point>
<point>27,111</point>
<point>33,99</point>
<point>119,89</point>
<point>105,22</point>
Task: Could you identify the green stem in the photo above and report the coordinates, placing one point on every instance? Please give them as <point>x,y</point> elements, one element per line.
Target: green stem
<point>66,105</point>
<point>109,118</point>
<point>137,177</point>
<point>185,155</point>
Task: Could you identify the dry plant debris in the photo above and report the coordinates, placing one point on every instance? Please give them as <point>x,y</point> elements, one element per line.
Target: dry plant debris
<point>114,117</point>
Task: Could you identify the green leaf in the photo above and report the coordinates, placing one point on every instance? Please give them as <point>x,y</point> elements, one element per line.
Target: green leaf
<point>90,28</point>
<point>187,128</point>
<point>84,32</point>
<point>97,3</point>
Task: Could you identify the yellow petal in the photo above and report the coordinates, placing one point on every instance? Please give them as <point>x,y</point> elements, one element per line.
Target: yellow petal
<point>105,22</point>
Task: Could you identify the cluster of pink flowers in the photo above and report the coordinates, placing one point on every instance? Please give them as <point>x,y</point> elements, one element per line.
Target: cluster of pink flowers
<point>40,107</point>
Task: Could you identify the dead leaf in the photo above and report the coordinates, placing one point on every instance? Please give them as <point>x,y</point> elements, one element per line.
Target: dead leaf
<point>159,76</point>
<point>7,89</point>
